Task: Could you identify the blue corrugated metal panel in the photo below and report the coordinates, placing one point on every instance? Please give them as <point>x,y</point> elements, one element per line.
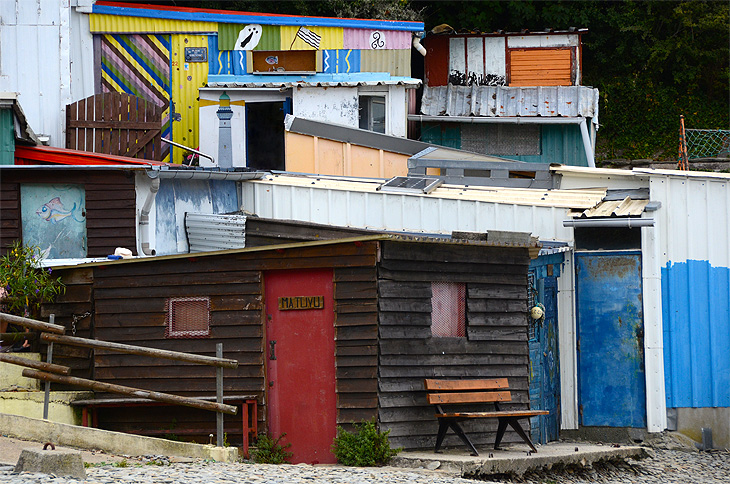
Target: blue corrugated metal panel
<point>335,61</point>
<point>559,144</point>
<point>224,61</point>
<point>204,15</point>
<point>696,334</point>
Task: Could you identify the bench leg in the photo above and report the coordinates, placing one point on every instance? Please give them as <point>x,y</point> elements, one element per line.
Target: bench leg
<point>515,424</point>
<point>444,424</point>
<point>501,427</point>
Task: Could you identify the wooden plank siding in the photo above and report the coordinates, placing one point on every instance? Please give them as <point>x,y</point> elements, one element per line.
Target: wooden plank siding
<point>129,306</point>
<point>110,206</point>
<point>495,345</point>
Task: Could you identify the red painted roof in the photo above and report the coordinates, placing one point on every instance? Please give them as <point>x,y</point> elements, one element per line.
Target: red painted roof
<point>47,155</point>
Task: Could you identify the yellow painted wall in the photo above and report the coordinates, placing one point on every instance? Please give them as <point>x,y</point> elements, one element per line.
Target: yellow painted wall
<point>332,38</point>
<point>118,24</point>
<point>187,78</point>
<point>30,404</point>
<point>309,154</point>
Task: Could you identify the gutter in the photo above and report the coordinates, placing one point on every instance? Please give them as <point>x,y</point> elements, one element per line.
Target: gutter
<point>144,218</point>
<point>624,222</point>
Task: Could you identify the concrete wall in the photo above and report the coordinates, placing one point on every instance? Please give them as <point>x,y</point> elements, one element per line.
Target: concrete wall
<point>30,404</point>
<point>12,379</point>
<point>691,420</point>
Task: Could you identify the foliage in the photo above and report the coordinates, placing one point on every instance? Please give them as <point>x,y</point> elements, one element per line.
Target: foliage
<point>365,447</point>
<point>269,451</point>
<point>25,285</point>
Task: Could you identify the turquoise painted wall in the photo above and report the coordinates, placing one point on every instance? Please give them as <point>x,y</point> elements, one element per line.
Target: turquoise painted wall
<point>560,143</point>
<point>696,320</point>
<point>7,138</point>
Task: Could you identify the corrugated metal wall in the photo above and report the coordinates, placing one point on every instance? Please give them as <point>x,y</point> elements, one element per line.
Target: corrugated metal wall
<point>558,143</point>
<point>101,23</point>
<point>694,248</point>
<point>46,57</point>
<point>187,78</point>
<point>396,62</point>
<point>332,38</point>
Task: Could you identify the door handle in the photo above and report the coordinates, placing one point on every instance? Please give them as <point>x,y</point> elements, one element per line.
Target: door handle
<point>272,352</point>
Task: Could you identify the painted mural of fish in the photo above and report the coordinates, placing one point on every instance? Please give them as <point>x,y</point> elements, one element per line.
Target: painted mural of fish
<point>53,211</point>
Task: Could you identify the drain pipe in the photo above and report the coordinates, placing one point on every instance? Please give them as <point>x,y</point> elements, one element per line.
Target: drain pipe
<point>144,216</point>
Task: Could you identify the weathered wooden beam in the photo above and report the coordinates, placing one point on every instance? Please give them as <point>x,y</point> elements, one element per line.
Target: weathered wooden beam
<point>133,392</point>
<point>38,365</point>
<point>17,336</point>
<point>140,350</point>
<point>32,323</point>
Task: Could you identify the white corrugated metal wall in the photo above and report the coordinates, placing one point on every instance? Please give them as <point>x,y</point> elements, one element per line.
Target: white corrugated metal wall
<point>693,254</point>
<point>46,55</point>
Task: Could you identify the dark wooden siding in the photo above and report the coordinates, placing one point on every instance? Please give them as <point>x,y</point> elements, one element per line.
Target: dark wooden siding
<point>495,346</point>
<point>76,304</point>
<point>110,205</point>
<point>129,307</point>
<point>264,231</point>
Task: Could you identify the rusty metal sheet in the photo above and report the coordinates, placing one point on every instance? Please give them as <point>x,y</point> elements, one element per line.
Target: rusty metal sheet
<point>502,101</point>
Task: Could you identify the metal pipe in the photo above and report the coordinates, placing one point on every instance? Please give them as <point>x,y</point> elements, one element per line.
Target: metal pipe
<point>587,143</point>
<point>189,149</point>
<point>609,222</point>
<point>144,218</point>
<point>417,45</point>
<point>219,395</point>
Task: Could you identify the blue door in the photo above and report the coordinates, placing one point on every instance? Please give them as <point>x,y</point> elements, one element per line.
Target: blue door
<point>611,382</point>
<point>544,369</point>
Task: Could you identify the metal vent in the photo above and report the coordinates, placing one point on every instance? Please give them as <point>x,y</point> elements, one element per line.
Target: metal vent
<point>188,317</point>
<point>513,139</point>
<point>448,309</point>
<point>411,184</point>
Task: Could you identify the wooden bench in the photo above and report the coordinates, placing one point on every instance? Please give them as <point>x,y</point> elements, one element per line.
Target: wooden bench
<point>247,402</point>
<point>462,393</point>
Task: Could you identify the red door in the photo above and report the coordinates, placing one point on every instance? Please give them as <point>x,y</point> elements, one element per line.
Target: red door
<point>300,351</point>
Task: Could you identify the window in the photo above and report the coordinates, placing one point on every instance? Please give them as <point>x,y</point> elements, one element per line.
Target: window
<point>371,113</point>
<point>188,317</point>
<point>448,309</point>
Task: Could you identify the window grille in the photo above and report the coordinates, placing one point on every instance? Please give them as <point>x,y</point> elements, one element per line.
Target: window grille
<point>513,140</point>
<point>188,317</point>
<point>448,309</point>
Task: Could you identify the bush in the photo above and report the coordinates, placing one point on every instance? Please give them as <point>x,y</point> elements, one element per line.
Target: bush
<point>365,448</point>
<point>270,451</point>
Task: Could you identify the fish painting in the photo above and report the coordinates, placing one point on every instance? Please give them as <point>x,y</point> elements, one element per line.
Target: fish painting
<point>53,211</point>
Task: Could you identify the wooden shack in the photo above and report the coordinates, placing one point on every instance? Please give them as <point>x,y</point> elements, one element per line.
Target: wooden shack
<point>326,333</point>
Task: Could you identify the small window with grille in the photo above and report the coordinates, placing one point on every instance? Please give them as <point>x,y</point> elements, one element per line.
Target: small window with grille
<point>448,309</point>
<point>188,317</point>
<point>531,301</point>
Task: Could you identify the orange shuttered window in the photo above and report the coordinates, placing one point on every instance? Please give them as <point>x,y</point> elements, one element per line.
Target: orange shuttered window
<point>541,67</point>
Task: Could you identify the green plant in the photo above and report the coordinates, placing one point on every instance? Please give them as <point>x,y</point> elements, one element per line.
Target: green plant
<point>121,463</point>
<point>24,286</point>
<point>365,447</point>
<point>269,451</point>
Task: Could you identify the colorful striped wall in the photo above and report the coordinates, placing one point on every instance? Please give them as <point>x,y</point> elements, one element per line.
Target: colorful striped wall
<point>138,65</point>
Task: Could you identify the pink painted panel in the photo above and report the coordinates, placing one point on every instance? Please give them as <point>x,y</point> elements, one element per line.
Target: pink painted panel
<point>363,39</point>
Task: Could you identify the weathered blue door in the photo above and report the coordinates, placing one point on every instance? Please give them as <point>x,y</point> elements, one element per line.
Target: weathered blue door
<point>544,369</point>
<point>610,324</point>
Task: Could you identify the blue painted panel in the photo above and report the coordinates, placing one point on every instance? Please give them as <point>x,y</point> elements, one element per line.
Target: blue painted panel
<point>54,219</point>
<point>165,222</point>
<point>696,319</point>
<point>335,61</point>
<point>224,62</point>
<point>611,375</point>
<point>225,196</point>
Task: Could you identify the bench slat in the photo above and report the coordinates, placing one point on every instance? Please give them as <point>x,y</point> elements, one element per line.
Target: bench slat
<point>502,413</point>
<point>465,385</point>
<point>473,397</point>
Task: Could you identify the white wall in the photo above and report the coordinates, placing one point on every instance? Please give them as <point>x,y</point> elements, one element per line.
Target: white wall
<point>46,55</point>
<point>336,105</point>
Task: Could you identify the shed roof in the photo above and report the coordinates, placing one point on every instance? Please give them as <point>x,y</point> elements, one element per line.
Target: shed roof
<point>23,132</point>
<point>231,16</point>
<point>533,245</point>
<point>276,80</point>
<point>578,198</point>
<point>504,101</point>
<point>34,155</point>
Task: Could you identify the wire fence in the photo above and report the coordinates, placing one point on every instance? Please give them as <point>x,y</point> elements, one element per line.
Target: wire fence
<point>707,143</point>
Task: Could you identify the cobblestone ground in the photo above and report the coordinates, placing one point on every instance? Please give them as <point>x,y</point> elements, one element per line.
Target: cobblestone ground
<point>667,466</point>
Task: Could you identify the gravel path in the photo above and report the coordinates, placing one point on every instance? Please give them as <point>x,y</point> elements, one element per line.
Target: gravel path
<point>668,466</point>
